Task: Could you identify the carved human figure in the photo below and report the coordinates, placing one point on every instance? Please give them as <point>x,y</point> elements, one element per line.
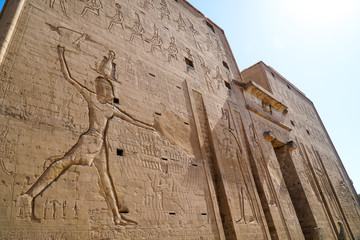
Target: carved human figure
<point>91,147</point>
<point>232,151</point>
<point>207,74</point>
<point>137,30</point>
<point>167,189</point>
<point>195,33</point>
<point>148,4</point>
<point>164,10</point>
<point>78,41</point>
<point>219,79</point>
<point>342,232</point>
<point>118,18</point>
<point>189,55</point>
<point>156,40</point>
<point>93,6</point>
<point>208,41</point>
<point>218,47</point>
<point>62,4</point>
<point>172,49</point>
<point>181,23</point>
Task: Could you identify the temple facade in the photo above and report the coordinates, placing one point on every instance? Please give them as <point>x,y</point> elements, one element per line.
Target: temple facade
<point>131,120</point>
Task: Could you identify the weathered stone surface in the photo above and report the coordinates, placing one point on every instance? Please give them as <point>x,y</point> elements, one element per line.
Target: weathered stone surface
<point>130,120</point>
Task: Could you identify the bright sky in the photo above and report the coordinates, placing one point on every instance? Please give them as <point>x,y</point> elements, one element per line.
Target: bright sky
<point>315,44</point>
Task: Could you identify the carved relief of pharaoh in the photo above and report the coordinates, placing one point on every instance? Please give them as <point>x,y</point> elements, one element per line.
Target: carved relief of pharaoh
<point>91,147</point>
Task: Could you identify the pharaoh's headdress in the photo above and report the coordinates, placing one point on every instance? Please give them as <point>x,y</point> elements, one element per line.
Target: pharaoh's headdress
<point>107,67</point>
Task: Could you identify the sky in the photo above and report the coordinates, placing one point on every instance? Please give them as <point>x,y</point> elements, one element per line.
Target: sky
<point>315,44</point>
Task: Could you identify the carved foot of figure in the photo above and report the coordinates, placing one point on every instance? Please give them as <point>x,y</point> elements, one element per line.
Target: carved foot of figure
<point>23,202</point>
<point>26,203</point>
<point>122,221</point>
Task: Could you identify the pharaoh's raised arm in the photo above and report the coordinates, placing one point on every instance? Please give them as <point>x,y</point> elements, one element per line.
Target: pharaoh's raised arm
<point>67,75</point>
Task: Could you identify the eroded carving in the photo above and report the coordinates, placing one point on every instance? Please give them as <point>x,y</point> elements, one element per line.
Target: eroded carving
<point>189,55</point>
<point>91,147</point>
<point>172,49</point>
<point>195,33</point>
<point>92,6</point>
<point>164,10</point>
<point>147,4</point>
<point>206,71</point>
<point>218,47</point>
<point>208,42</point>
<point>118,18</point>
<point>181,23</point>
<point>218,78</point>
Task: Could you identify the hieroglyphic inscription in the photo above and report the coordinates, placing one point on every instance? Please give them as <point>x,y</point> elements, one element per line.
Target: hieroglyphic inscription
<point>6,151</point>
<point>16,234</point>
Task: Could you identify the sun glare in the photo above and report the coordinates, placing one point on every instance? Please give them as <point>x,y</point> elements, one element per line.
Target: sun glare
<point>321,12</point>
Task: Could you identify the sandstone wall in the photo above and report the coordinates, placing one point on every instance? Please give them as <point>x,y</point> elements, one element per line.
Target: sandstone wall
<point>130,120</point>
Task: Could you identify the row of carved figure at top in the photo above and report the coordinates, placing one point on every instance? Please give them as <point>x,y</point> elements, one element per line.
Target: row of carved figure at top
<point>94,6</point>
<point>77,39</point>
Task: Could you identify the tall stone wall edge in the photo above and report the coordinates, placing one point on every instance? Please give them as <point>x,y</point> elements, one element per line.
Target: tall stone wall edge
<point>9,18</point>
